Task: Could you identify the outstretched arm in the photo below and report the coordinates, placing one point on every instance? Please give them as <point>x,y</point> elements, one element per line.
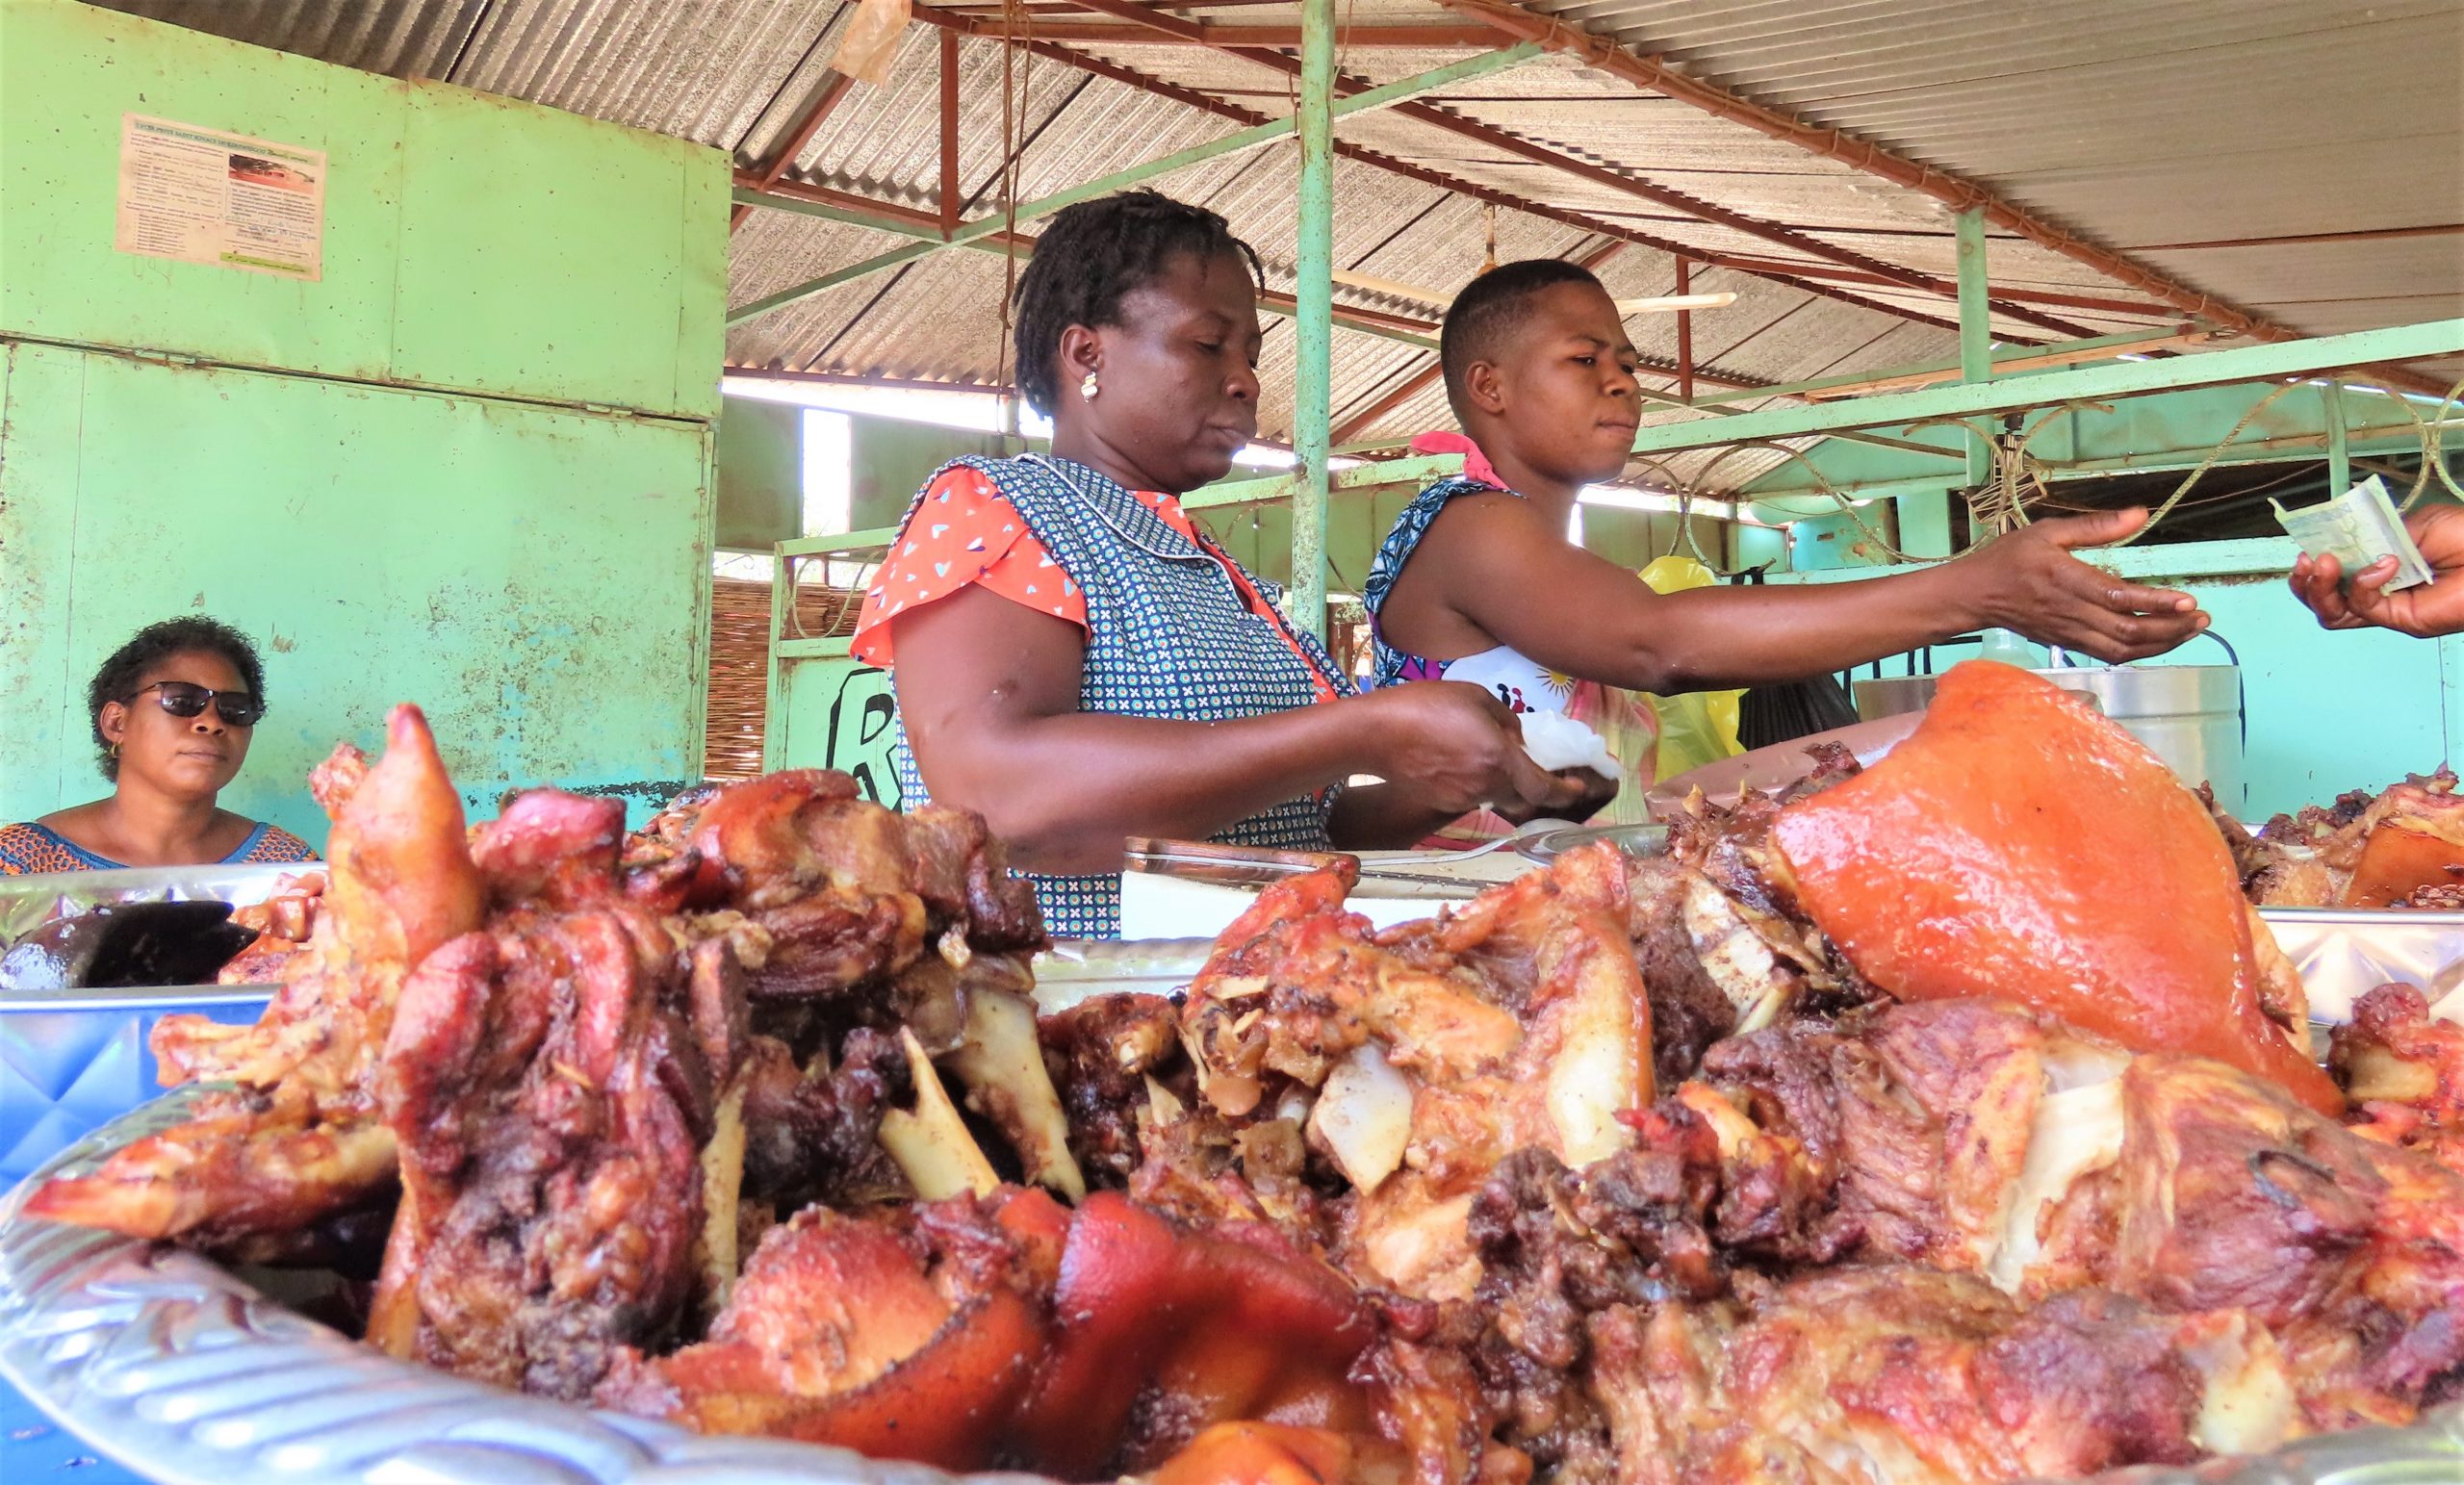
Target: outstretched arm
<point>1500,565</point>
<point>988,694</point>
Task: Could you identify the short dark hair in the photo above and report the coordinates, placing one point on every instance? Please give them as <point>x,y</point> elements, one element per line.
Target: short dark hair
<point>1489,307</point>
<point>152,645</point>
<point>1092,255</point>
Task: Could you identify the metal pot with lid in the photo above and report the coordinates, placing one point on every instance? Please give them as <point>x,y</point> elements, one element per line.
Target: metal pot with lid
<point>2194,717</point>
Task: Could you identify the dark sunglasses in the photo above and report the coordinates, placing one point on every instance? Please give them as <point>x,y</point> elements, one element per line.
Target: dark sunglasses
<point>186,698</point>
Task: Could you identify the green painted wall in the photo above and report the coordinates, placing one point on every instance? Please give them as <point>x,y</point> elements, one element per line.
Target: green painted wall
<point>536,578</point>
<point>762,473</point>
<point>470,467</point>
<point>472,241</point>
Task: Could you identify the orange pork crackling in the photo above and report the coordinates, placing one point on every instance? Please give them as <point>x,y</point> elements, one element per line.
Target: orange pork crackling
<point>1981,856</point>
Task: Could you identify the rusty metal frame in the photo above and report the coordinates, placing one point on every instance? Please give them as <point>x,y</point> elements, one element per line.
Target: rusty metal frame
<point>1198,33</point>
<point>833,89</point>
<point>1954,191</point>
<point>1130,77</point>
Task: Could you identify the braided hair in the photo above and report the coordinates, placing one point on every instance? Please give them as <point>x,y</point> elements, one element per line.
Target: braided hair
<point>1095,254</point>
<point>193,635</point>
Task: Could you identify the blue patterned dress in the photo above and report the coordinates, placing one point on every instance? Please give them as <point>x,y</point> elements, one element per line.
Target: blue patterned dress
<point>1169,635</point>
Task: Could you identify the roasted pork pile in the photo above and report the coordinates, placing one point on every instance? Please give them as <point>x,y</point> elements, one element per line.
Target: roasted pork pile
<point>2403,848</point>
<point>1946,1121</point>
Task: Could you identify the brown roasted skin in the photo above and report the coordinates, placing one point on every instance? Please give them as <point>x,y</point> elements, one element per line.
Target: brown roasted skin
<point>2405,1072</point>
<point>550,1083</point>
<point>1981,856</point>
<point>298,1140</point>
<point>283,924</point>
<point>846,894</point>
<point>2400,848</point>
<point>1005,1330</point>
<point>1902,1375</point>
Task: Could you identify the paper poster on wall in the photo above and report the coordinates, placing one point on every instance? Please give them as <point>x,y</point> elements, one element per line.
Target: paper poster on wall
<point>201,196</point>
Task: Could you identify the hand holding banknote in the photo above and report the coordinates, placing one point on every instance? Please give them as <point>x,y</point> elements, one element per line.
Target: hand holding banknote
<point>2434,608</point>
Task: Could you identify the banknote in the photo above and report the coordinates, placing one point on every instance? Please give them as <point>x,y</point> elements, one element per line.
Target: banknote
<point>2357,528</point>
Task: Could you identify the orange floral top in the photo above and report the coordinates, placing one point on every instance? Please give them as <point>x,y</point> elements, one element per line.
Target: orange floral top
<point>965,532</point>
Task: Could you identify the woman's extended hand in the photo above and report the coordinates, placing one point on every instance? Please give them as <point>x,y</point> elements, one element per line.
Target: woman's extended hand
<point>1456,748</point>
<point>2424,612</point>
<point>2028,581</point>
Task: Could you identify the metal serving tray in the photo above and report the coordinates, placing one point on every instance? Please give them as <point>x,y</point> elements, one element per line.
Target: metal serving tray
<point>71,1060</point>
<point>183,1372</point>
<point>2345,952</point>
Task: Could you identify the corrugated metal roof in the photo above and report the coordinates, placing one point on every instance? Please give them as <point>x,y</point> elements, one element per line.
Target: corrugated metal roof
<point>2170,128</point>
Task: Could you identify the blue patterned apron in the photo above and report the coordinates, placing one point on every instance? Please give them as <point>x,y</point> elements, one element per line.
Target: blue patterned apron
<point>1169,635</point>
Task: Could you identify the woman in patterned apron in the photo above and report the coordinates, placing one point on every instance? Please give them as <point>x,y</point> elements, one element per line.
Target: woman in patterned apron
<point>1078,662</point>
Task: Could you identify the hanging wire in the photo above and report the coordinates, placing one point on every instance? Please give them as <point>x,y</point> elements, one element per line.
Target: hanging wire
<point>1018,31</point>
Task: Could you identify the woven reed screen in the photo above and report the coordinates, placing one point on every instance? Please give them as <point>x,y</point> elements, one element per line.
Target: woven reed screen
<point>740,665</point>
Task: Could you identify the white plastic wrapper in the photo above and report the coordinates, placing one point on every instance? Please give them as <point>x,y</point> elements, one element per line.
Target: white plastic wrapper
<point>1557,742</point>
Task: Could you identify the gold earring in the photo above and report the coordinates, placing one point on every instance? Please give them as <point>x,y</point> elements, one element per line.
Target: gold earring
<point>1088,389</point>
<point>114,750</point>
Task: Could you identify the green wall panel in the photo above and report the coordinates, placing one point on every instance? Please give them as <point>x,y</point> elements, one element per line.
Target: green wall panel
<point>538,579</point>
<point>497,195</point>
<point>455,223</point>
<point>762,473</point>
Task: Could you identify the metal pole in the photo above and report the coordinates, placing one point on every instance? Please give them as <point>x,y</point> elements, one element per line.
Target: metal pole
<point>1684,335</point>
<point>1313,378</point>
<point>1976,329</point>
<point>949,202</point>
<point>2050,389</point>
<point>2339,457</point>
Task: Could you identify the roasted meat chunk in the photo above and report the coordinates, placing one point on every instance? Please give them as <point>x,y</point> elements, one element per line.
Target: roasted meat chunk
<point>1981,858</point>
<point>552,1102</point>
<point>298,1140</point>
<point>1005,1330</point>
<point>2405,1072</point>
<point>1414,1061</point>
<point>1903,1375</point>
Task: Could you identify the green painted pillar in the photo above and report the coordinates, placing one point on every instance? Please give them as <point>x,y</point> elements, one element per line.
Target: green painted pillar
<point>1925,524</point>
<point>2331,395</point>
<point>1976,326</point>
<point>1313,380</point>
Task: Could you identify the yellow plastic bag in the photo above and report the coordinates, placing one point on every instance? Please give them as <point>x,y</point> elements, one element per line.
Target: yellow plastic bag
<point>1700,727</point>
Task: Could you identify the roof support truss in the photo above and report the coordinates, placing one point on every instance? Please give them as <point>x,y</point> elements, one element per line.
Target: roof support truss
<point>1954,191</point>
<point>1255,135</point>
<point>2075,384</point>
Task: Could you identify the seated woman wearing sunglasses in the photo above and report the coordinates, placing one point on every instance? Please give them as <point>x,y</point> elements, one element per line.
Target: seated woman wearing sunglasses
<point>173,711</point>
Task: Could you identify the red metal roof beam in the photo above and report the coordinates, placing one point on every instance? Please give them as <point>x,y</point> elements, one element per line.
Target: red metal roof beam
<point>1129,77</point>
<point>833,89</point>
<point>1954,191</point>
